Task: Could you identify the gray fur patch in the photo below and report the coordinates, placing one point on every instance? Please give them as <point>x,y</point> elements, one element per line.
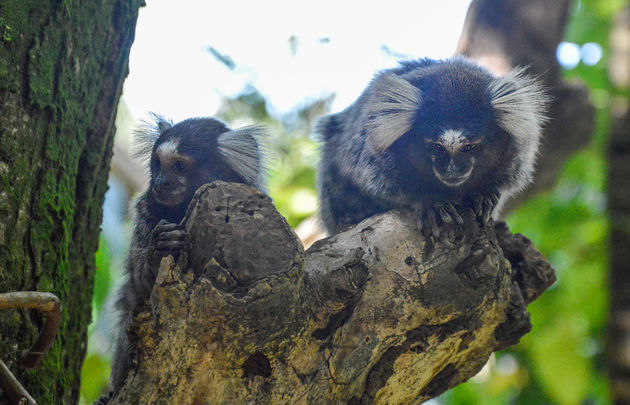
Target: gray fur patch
<point>244,151</point>
<point>390,110</point>
<point>147,134</point>
<point>520,103</point>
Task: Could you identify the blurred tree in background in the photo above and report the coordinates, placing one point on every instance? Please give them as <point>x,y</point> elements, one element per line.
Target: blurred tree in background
<point>563,359</point>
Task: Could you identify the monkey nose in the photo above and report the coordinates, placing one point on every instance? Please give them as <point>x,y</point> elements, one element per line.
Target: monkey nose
<point>160,186</point>
<point>452,170</point>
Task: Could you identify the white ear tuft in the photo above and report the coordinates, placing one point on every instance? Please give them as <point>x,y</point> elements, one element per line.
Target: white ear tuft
<point>147,134</point>
<point>520,102</point>
<point>390,108</point>
<point>245,152</point>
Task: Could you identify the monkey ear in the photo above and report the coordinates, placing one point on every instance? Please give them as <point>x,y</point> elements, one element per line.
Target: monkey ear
<point>520,103</point>
<point>147,134</point>
<point>245,152</point>
<point>390,107</point>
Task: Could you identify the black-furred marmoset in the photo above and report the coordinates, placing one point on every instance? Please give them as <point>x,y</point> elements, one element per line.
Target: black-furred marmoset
<point>181,158</point>
<point>433,136</point>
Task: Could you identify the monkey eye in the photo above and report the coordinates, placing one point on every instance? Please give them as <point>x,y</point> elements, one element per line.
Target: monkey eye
<point>436,147</point>
<point>179,166</point>
<point>469,147</point>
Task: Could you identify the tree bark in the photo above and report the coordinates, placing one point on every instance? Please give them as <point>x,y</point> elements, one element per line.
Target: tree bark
<point>502,34</point>
<point>372,315</point>
<point>619,208</point>
<point>62,65</point>
<point>619,211</point>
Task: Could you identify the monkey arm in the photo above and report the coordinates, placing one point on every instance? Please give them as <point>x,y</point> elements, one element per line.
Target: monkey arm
<point>370,315</point>
<point>146,251</point>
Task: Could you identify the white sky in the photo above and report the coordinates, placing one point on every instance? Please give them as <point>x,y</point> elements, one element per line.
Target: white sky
<point>172,73</point>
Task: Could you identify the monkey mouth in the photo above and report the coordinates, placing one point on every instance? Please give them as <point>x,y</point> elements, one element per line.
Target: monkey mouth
<point>169,197</point>
<point>453,181</point>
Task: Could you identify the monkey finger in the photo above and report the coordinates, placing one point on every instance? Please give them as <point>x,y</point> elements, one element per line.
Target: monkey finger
<point>419,223</point>
<point>171,245</point>
<point>453,212</point>
<point>432,224</point>
<point>418,213</point>
<point>478,206</point>
<point>495,197</point>
<point>171,242</point>
<point>167,227</point>
<point>488,207</point>
<point>470,212</point>
<point>439,208</point>
<point>174,235</point>
<point>450,236</point>
<point>160,228</point>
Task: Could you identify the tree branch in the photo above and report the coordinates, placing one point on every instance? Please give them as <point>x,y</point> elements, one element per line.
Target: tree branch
<point>371,315</point>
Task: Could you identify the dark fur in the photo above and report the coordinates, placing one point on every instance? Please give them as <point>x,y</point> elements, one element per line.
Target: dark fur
<point>157,232</point>
<point>361,175</point>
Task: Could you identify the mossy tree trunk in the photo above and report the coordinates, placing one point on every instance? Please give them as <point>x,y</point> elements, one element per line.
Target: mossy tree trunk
<point>62,64</point>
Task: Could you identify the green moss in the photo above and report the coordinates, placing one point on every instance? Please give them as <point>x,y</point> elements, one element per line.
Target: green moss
<point>6,32</point>
<point>72,54</point>
<point>41,73</point>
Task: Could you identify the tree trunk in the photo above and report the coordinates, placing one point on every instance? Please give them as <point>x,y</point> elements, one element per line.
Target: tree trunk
<point>372,315</point>
<point>619,211</point>
<point>619,208</point>
<point>62,65</point>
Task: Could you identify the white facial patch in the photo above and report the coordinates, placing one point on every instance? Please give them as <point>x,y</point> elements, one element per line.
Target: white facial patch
<point>452,139</point>
<point>166,150</point>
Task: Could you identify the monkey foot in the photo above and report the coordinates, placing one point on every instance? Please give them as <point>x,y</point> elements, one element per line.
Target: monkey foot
<point>430,220</point>
<point>484,205</point>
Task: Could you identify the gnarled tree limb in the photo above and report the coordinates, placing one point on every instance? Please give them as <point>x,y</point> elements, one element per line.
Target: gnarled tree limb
<point>371,315</point>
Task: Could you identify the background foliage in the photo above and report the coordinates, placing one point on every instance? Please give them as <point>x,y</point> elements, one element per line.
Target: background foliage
<point>562,360</point>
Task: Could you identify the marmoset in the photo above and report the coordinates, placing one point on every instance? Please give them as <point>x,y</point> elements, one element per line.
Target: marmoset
<point>181,158</point>
<point>433,136</point>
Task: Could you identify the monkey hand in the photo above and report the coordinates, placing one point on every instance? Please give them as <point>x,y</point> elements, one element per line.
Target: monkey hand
<point>430,218</point>
<point>484,205</point>
<point>167,239</point>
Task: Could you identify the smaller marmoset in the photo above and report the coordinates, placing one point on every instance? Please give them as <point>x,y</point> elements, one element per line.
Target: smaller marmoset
<point>181,157</point>
<point>433,136</point>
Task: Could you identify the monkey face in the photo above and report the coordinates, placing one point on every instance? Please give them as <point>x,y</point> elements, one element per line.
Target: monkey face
<point>170,184</point>
<point>453,157</point>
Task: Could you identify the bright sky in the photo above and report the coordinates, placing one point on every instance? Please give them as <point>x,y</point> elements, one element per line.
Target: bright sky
<point>339,48</point>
